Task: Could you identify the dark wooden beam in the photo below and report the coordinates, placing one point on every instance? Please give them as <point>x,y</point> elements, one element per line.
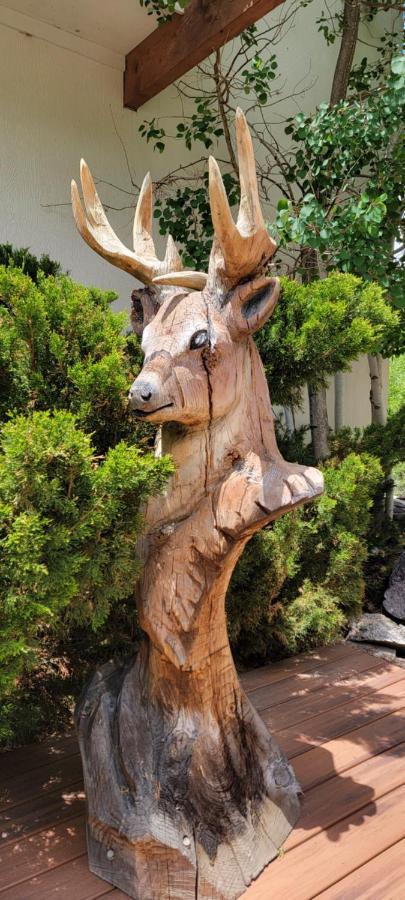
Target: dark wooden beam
<point>175,47</point>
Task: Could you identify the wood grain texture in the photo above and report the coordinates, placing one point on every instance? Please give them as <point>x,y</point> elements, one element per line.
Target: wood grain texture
<point>331,855</point>
<point>188,794</point>
<point>383,876</point>
<point>280,671</point>
<point>31,856</point>
<point>321,763</point>
<point>365,864</point>
<point>175,47</point>
<point>339,720</point>
<point>300,709</point>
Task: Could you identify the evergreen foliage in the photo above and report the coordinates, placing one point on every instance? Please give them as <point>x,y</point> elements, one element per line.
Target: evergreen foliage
<point>68,528</point>
<point>61,347</point>
<point>21,258</point>
<point>73,477</point>
<point>319,329</point>
<point>300,581</point>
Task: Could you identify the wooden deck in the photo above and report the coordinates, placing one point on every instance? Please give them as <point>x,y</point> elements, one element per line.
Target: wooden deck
<point>339,714</point>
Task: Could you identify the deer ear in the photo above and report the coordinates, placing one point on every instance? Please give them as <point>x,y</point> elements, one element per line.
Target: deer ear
<point>144,308</point>
<point>250,305</point>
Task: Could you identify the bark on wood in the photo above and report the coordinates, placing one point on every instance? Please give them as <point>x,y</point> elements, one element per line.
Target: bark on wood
<point>344,62</point>
<point>350,30</point>
<point>318,417</point>
<point>339,400</point>
<point>318,410</point>
<point>188,794</point>
<point>378,407</point>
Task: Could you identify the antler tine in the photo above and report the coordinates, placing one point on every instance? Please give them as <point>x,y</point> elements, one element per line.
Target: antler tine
<point>225,229</point>
<point>239,250</point>
<point>250,216</point>
<point>96,230</point>
<point>93,206</point>
<point>142,231</point>
<point>89,232</point>
<point>93,225</point>
<point>243,249</point>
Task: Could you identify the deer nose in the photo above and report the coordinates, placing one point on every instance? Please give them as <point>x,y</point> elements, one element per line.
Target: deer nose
<point>141,392</point>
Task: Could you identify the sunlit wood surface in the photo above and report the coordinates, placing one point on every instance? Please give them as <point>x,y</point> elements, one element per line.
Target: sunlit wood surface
<point>340,715</point>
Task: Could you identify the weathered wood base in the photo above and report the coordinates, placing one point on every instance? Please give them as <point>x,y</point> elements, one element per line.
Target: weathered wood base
<point>185,801</point>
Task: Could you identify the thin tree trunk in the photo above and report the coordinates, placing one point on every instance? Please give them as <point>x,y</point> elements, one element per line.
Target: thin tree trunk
<point>318,417</point>
<point>378,408</point>
<point>389,497</point>
<point>350,31</point>
<point>318,410</point>
<point>344,62</point>
<point>339,397</point>
<point>289,419</point>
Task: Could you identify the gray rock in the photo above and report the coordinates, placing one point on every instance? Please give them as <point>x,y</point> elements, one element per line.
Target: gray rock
<point>399,508</point>
<point>377,650</point>
<point>374,628</point>
<point>394,597</point>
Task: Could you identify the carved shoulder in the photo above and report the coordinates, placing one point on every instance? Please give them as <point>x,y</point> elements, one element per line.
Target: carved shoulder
<point>259,490</point>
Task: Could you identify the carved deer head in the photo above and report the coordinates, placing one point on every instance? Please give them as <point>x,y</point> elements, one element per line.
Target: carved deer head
<point>192,322</point>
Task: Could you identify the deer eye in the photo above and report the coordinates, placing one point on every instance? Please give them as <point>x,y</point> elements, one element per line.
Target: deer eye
<point>199,339</point>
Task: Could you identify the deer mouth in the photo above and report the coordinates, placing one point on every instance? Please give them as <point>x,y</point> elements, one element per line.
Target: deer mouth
<point>143,413</point>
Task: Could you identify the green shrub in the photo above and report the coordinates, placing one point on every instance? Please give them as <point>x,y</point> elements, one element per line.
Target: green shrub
<point>72,478</point>
<point>21,258</point>
<point>319,329</point>
<point>61,347</point>
<point>396,403</point>
<point>68,530</point>
<point>300,581</point>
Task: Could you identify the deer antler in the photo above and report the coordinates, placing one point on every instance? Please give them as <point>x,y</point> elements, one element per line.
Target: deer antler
<point>239,249</point>
<point>96,230</point>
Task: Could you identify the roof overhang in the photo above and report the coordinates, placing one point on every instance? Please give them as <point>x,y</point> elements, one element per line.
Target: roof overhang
<point>180,44</point>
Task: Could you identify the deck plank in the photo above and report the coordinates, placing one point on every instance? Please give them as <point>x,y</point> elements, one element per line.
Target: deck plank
<point>278,671</point>
<point>33,855</point>
<point>41,781</point>
<point>33,756</point>
<point>340,715</point>
<point>340,720</point>
<point>299,709</point>
<point>333,757</point>
<point>317,864</point>
<point>345,794</point>
<point>382,878</point>
<point>303,683</point>
<point>72,881</point>
<point>41,812</point>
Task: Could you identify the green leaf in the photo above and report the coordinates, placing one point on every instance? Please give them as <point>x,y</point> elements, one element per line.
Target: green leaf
<point>398,65</point>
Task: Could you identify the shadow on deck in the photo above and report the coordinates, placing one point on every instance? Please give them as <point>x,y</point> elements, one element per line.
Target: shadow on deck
<point>339,713</point>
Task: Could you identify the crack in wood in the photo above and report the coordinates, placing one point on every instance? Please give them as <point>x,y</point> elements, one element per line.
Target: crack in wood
<point>171,745</point>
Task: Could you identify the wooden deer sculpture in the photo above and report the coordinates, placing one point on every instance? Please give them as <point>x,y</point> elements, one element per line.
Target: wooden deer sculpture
<point>188,794</point>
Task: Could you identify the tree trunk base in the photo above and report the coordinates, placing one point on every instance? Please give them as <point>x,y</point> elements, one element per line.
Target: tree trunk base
<point>182,805</point>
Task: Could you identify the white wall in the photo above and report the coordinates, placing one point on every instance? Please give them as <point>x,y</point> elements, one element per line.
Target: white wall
<point>57,105</point>
<point>356,402</point>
